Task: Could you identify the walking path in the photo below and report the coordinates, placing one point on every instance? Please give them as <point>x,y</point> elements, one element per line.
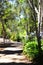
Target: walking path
<point>13,54</point>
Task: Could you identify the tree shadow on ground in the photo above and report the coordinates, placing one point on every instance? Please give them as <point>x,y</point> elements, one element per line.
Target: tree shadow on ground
<point>15,63</point>
<point>4,45</point>
<point>10,52</point>
<point>38,60</point>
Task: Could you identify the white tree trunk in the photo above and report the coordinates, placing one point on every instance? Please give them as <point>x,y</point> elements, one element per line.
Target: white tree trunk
<point>39,17</point>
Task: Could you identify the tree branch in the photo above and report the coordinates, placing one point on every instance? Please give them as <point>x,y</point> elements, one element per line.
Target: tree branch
<point>30,4</point>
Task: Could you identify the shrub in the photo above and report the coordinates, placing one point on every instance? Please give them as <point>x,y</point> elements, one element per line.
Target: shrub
<point>13,36</point>
<point>18,38</point>
<point>31,49</point>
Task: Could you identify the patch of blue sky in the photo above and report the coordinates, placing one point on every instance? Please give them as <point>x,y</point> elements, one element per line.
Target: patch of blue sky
<point>12,1</point>
<point>22,15</point>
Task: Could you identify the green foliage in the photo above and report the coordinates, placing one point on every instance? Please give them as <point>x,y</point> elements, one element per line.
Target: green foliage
<point>8,33</point>
<point>18,37</point>
<point>42,44</point>
<point>0,29</point>
<point>31,49</point>
<point>18,19</point>
<point>13,36</point>
<point>31,37</point>
<point>21,1</point>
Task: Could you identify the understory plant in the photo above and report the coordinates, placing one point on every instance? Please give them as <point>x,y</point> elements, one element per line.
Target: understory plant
<point>30,49</point>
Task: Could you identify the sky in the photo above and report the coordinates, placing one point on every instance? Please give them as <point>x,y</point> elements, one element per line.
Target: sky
<point>12,1</point>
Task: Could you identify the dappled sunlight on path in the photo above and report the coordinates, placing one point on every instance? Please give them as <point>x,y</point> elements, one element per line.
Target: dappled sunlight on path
<point>13,58</point>
<point>12,53</point>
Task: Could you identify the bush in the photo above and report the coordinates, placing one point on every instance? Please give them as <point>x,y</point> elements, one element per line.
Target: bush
<point>15,37</point>
<point>18,38</point>
<point>31,49</point>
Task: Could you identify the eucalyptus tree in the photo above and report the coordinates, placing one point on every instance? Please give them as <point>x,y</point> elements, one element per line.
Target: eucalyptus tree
<point>35,13</point>
<point>6,14</point>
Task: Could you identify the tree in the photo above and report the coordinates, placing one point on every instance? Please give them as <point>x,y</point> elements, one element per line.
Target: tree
<point>6,14</point>
<point>34,16</point>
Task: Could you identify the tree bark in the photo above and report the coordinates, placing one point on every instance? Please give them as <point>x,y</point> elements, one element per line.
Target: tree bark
<point>4,31</point>
<point>37,29</point>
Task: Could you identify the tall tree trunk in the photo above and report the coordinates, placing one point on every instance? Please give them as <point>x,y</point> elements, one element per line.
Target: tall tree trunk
<point>39,16</point>
<point>37,29</point>
<point>4,31</point>
<point>39,26</point>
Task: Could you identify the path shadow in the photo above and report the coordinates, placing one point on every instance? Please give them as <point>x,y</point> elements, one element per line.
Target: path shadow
<point>4,45</point>
<point>16,63</point>
<point>12,63</point>
<point>10,52</point>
